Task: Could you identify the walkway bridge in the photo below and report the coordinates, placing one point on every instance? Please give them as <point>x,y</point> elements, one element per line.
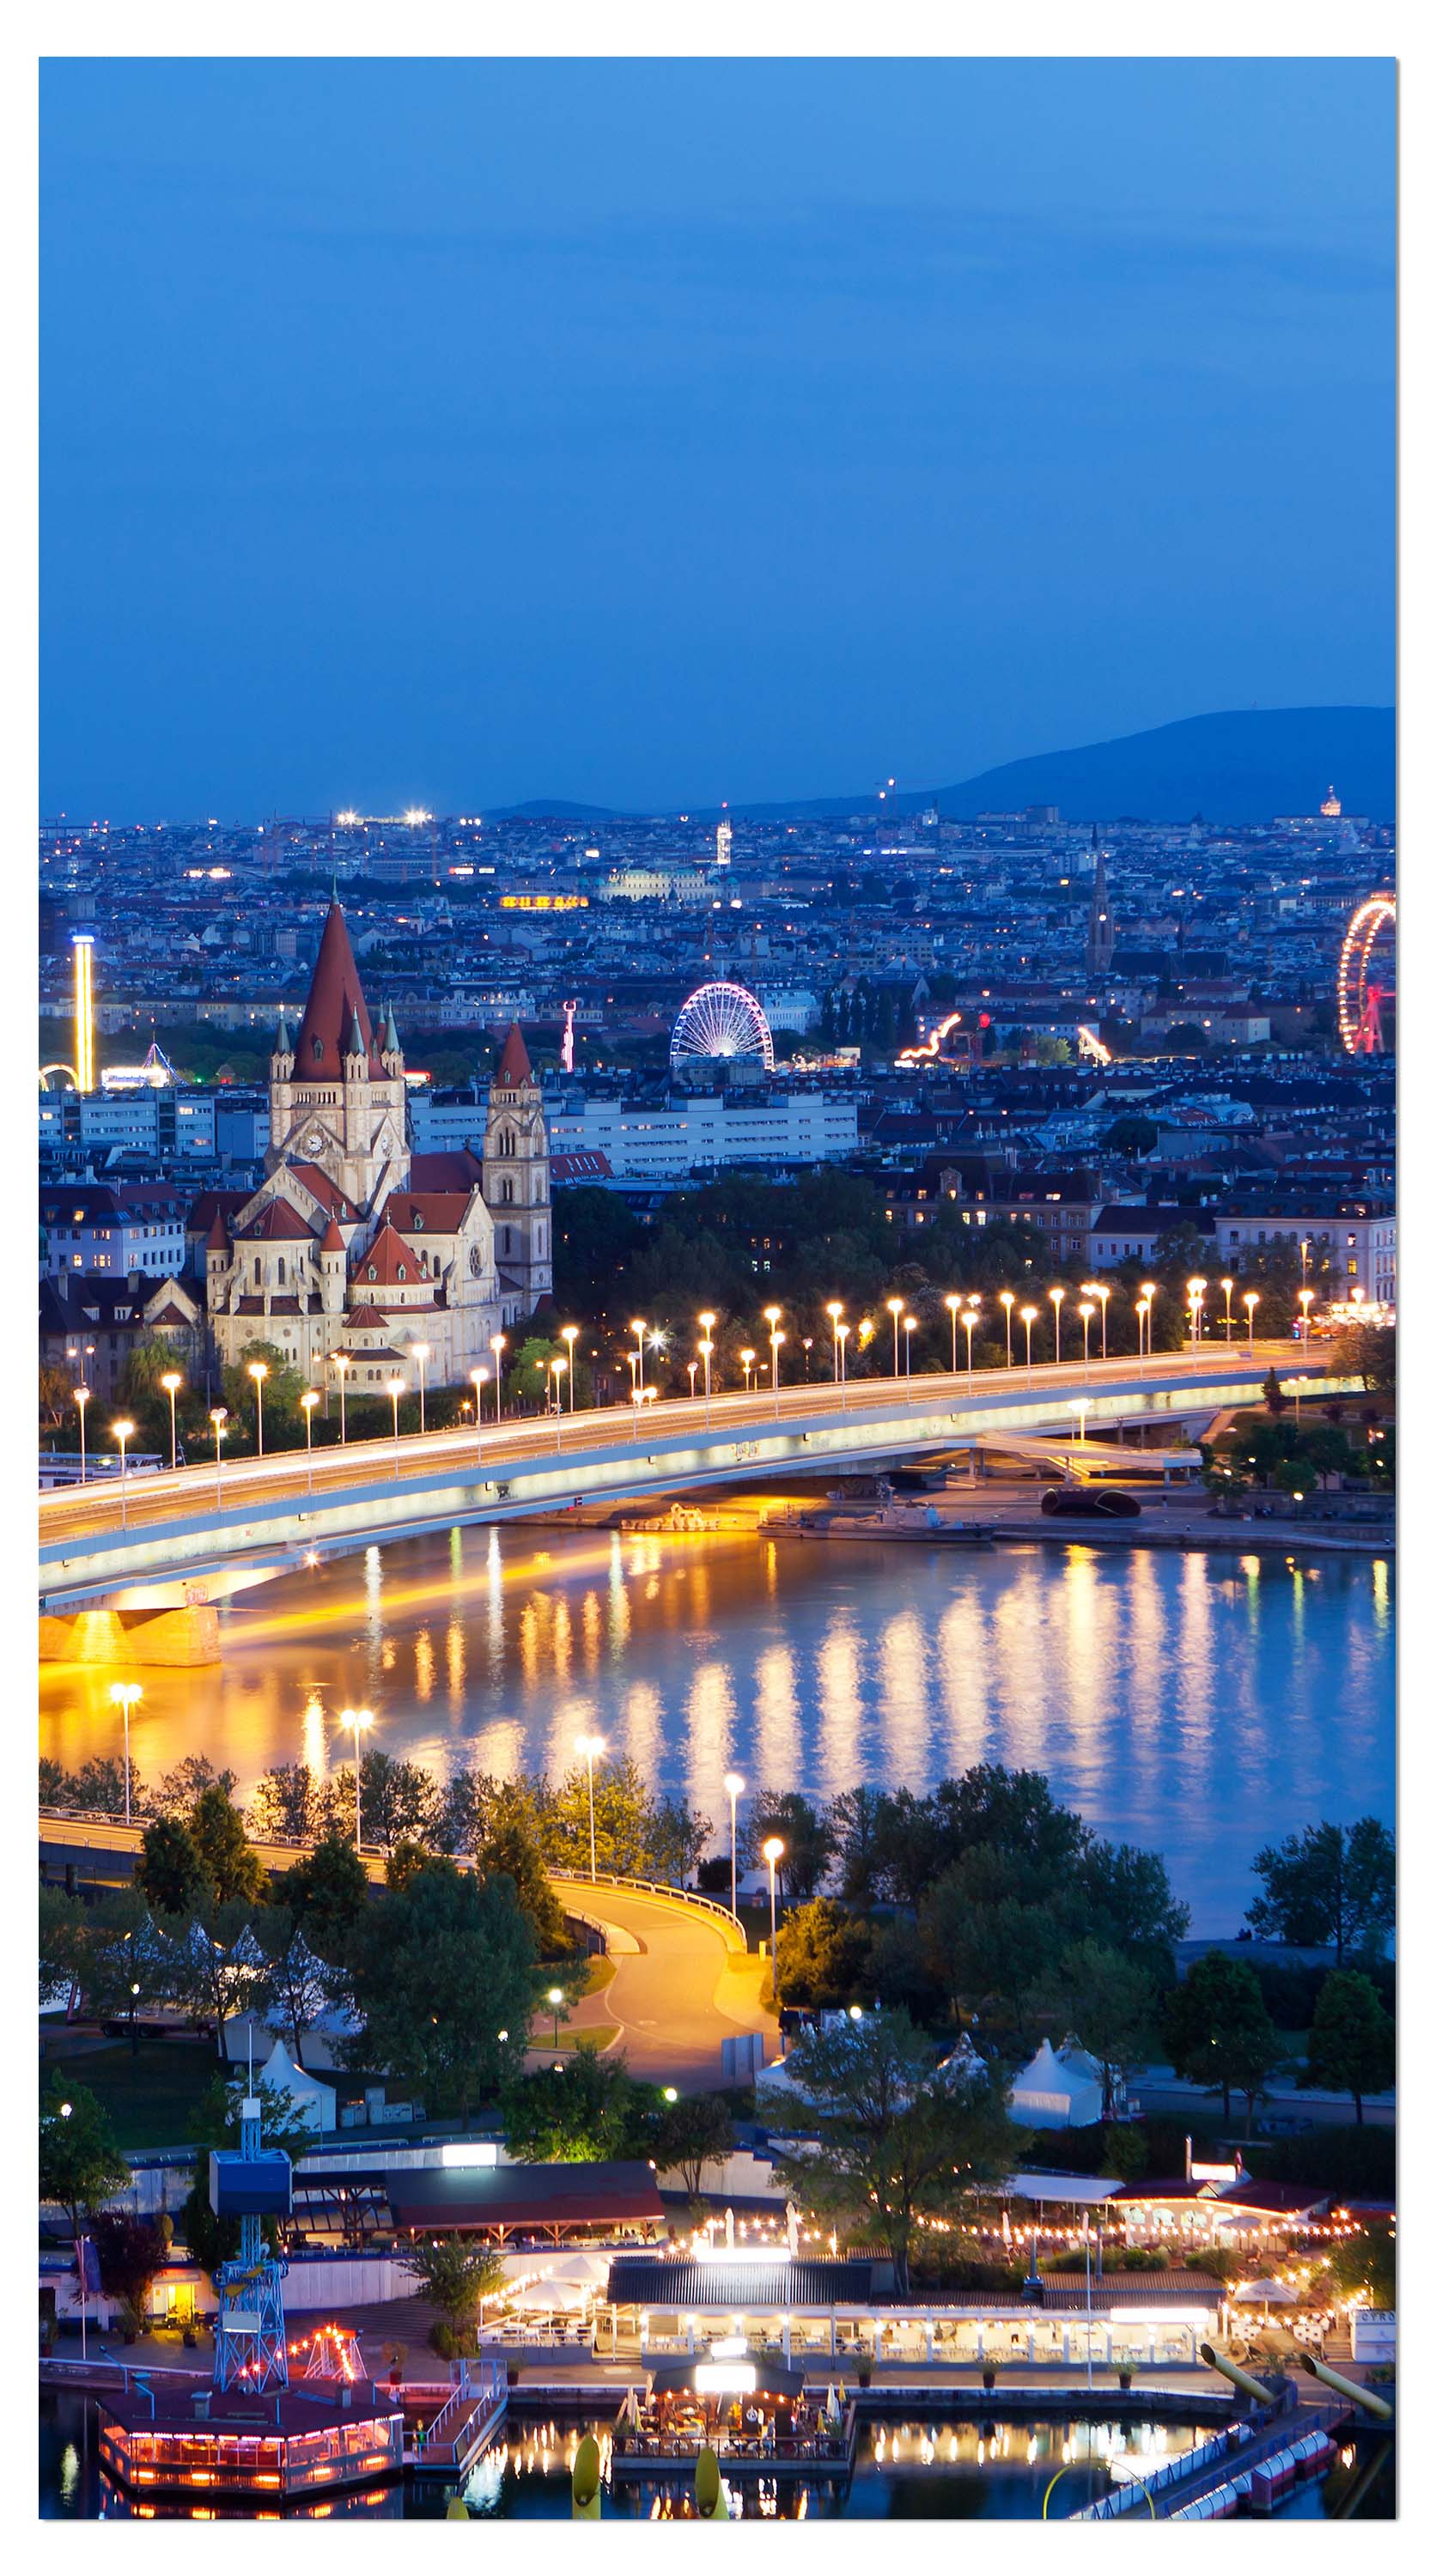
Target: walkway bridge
<point>173,1540</point>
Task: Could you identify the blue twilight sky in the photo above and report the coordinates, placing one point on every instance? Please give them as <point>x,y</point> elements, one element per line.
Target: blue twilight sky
<point>653,432</point>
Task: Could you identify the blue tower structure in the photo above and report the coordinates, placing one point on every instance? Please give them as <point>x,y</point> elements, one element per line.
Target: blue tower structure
<point>251,2183</point>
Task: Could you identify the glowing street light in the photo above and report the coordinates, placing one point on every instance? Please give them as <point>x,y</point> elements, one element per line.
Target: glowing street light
<point>359,1721</point>
<point>172,1382</point>
<point>747,1358</point>
<point>909,1326</point>
<point>1057,1295</point>
<point>692,1368</point>
<point>1151,1292</point>
<point>259,1371</point>
<point>1029,1318</point>
<point>419,1352</point>
<point>1101,1293</point>
<point>498,1344</point>
<point>309,1399</point>
<point>480,1379</point>
<point>341,1361</point>
<point>591,1746</point>
<point>638,1328</point>
<point>218,1419</point>
<point>841,1332</point>
<point>969,1319</point>
<point>555,2001</point>
<point>735,1784</point>
<point>953,1304</point>
<point>894,1306</point>
<point>705,1353</point>
<point>1007,1301</point>
<point>1251,1300</point>
<point>775,1341</point>
<point>635,1397</point>
<point>1086,1311</point>
<point>394,1388</point>
<point>772,1854</point>
<point>1144,1316</point>
<point>556,1370</point>
<point>124,1432</point>
<point>82,1398</point>
<point>569,1334</point>
<point>124,1696</point>
<point>1196,1289</point>
<point>1226,1286</point>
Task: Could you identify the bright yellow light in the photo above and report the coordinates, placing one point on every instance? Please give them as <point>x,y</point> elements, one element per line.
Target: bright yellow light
<point>171,1381</point>
<point>773,1850</point>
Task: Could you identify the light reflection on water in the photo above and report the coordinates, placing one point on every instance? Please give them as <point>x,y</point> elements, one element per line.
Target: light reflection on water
<point>1194,1703</point>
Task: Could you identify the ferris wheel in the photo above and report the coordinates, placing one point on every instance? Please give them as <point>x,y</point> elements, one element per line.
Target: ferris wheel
<point>1358,995</point>
<point>720,1020</point>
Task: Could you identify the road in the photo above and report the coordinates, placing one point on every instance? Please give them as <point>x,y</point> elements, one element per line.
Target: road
<point>196,1492</point>
<point>682,1988</point>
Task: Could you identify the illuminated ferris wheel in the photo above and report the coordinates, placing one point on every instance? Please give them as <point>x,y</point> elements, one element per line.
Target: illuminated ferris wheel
<point>1359,993</point>
<point>720,1020</point>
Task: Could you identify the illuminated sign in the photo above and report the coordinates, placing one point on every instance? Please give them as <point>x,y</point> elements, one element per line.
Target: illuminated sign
<point>725,2378</point>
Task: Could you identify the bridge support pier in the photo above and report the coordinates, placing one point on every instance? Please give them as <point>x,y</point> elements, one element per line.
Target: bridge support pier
<point>179,1637</point>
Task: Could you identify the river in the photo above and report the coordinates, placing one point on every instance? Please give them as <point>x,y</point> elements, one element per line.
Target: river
<point>1195,1703</point>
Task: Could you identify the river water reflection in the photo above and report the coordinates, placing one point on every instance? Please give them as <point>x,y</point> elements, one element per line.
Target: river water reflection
<point>1195,1703</point>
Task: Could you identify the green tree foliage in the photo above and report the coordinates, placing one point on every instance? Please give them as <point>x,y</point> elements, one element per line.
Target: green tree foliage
<point>1367,2261</point>
<point>1003,1950</point>
<point>80,2161</point>
<point>328,1893</point>
<point>691,2132</point>
<point>1367,1351</point>
<point>287,1805</point>
<point>230,1864</point>
<point>823,1955</point>
<point>512,1852</point>
<point>1218,2031</point>
<point>170,1873</point>
<point>436,1973</point>
<point>805,1835</point>
<point>587,2109</point>
<point>896,2139</point>
<point>214,1973</point>
<point>1124,2151</point>
<point>296,1979</point>
<point>64,1948</point>
<point>283,1388</point>
<point>1111,2003</point>
<point>131,2251</point>
<point>1331,1885</point>
<point>179,1790</point>
<point>456,2279</point>
<point>1352,2043</point>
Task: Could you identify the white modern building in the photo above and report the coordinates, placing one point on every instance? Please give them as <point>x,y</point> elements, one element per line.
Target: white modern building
<point>690,1132</point>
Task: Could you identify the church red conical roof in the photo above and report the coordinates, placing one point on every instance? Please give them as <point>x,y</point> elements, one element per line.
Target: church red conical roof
<point>335,996</point>
<point>514,1065</point>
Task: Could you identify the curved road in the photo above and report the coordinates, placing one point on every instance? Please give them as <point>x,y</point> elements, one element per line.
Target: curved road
<point>680,1984</point>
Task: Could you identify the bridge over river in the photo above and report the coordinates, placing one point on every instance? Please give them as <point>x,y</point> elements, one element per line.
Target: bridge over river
<point>173,1540</point>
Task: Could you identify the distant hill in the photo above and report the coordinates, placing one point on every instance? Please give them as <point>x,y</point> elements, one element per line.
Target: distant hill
<point>1234,768</point>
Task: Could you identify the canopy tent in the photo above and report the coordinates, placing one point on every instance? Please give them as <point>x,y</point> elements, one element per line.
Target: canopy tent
<point>315,2102</point>
<point>1055,2092</point>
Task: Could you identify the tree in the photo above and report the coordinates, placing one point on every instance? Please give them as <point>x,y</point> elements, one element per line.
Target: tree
<point>466,1812</point>
<point>80,2160</point>
<point>854,1820</point>
<point>806,1838</point>
<point>328,1893</point>
<point>1218,2030</point>
<point>1367,2261</point>
<point>170,1873</point>
<point>1352,2044</point>
<point>456,2279</point>
<point>125,1963</point>
<point>588,2109</point>
<point>1124,2151</point>
<point>217,1831</point>
<point>179,1789</point>
<point>285,1806</point>
<point>441,1976</point>
<point>283,1387</point>
<point>822,1954</point>
<point>897,2139</point>
<point>298,1982</point>
<point>1367,1351</point>
<point>677,1840</point>
<point>512,1853</point>
<point>1126,1900</point>
<point>623,1818</point>
<point>1008,1950</point>
<point>131,2251</point>
<point>57,1395</point>
<point>693,2131</point>
<point>1272,1396</point>
<point>1132,1135</point>
<point>214,1971</point>
<point>1110,2001</point>
<point>64,1948</point>
<point>1331,1884</point>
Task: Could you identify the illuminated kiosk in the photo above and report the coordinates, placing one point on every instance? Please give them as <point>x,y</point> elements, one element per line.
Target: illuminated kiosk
<point>249,2434</point>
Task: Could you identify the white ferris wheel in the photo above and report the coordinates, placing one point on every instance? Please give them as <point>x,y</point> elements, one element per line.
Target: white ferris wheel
<point>720,1020</point>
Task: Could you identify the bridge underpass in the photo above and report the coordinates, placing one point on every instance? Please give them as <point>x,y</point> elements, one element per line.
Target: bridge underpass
<point>267,1520</point>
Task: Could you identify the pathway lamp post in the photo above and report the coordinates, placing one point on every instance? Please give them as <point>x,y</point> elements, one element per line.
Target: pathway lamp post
<point>705,1352</point>
<point>894,1306</point>
<point>1304,1298</point>
<point>555,2003</point>
<point>1195,1289</point>
<point>309,1399</point>
<point>259,1371</point>
<point>82,1398</point>
<point>419,1353</point>
<point>770,1318</point>
<point>172,1382</point>
<point>394,1388</point>
<point>953,1304</point>
<point>1101,1294</point>
<point>480,1377</point>
<point>772,1854</point>
<point>833,1311</point>
<point>124,1432</point>
<point>569,1334</point>
<point>841,1332</point>
<point>747,1358</point>
<point>735,1784</point>
<point>909,1326</point>
<point>343,1364</point>
<point>1057,1295</point>
<point>1226,1286</point>
<point>1151,1292</point>
<point>1007,1301</point>
<point>1086,1310</point>
<point>807,1357</point>
<point>969,1319</point>
<point>124,1696</point>
<point>638,1328</point>
<point>218,1419</point>
<point>1144,1316</point>
<point>635,1397</point>
<point>498,1345</point>
<point>358,1721</point>
<point>556,1370</point>
<point>692,1368</point>
<point>1029,1318</point>
<point>1251,1300</point>
<point>591,1746</point>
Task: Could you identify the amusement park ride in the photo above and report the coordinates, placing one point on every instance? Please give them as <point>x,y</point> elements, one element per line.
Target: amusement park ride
<point>1359,997</point>
<point>250,2183</point>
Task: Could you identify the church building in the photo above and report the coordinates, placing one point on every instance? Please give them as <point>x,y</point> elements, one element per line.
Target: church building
<point>352,1248</point>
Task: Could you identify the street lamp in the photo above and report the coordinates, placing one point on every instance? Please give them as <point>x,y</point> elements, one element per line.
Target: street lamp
<point>735,1784</point>
<point>894,1306</point>
<point>1144,1316</point>
<point>842,1331</point>
<point>1007,1301</point>
<point>124,1432</point>
<point>772,1854</point>
<point>692,1368</point>
<point>1151,1292</point>
<point>124,1696</point>
<point>1057,1295</point>
<point>480,1378</point>
<point>1098,1291</point>
<point>770,1317</point>
<point>909,1327</point>
<point>309,1399</point>
<point>359,1721</point>
<point>1086,1311</point>
<point>341,1361</point>
<point>556,1369</point>
<point>172,1382</point>
<point>833,1310</point>
<point>420,1353</point>
<point>555,1997</point>
<point>952,1304</point>
<point>218,1418</point>
<point>747,1358</point>
<point>394,1388</point>
<point>1251,1300</point>
<point>1304,1298</point>
<point>1195,1291</point>
<point>638,1327</point>
<point>969,1319</point>
<point>82,1398</point>
<point>569,1334</point>
<point>259,1371</point>
<point>635,1397</point>
<point>498,1344</point>
<point>705,1349</point>
<point>1029,1318</point>
<point>590,1746</point>
<point>1226,1286</point>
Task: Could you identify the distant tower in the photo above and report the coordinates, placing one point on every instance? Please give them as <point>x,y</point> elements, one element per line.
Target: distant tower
<point>565,1052</point>
<point>516,1182</point>
<point>1331,804</point>
<point>1099,924</point>
<point>83,943</point>
<point>725,841</point>
<point>337,1095</point>
<point>250,2351</point>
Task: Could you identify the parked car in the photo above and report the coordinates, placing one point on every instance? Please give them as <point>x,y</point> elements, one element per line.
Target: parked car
<point>1090,1502</point>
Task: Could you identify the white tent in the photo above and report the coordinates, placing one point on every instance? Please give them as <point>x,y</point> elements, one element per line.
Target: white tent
<point>1056,2092</point>
<point>316,2102</point>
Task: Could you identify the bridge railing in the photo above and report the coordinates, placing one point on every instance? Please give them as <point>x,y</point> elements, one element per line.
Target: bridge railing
<point>655,1887</point>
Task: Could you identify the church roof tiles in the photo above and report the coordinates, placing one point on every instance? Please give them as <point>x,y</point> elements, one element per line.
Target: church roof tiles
<point>335,1008</point>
